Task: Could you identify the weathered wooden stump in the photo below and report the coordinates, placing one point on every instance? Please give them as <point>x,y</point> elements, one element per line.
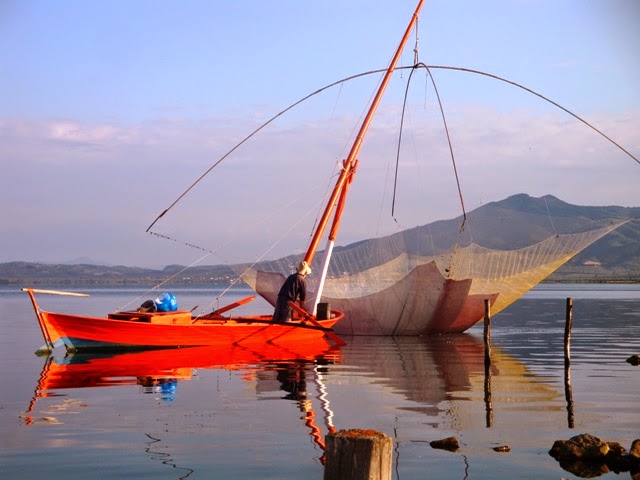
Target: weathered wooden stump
<point>358,455</point>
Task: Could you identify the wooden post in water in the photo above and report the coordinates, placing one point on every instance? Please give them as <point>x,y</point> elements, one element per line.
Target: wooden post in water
<point>358,455</point>
<point>487,332</point>
<point>567,362</point>
<point>487,363</point>
<point>567,332</point>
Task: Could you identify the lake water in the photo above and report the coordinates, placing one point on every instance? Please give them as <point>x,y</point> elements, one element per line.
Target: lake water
<point>266,417</point>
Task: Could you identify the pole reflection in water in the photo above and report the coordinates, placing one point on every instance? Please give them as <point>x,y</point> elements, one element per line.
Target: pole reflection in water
<point>568,395</point>
<point>487,394</point>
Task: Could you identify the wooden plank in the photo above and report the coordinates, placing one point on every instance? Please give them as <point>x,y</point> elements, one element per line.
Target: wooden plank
<point>309,318</point>
<point>55,292</point>
<point>233,305</point>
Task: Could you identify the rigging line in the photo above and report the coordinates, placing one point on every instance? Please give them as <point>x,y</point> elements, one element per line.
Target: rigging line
<point>415,48</point>
<point>312,209</point>
<point>263,221</point>
<point>163,282</point>
<point>395,178</point>
<point>496,77</point>
<point>371,72</point>
<point>338,167</point>
<point>446,128</point>
<point>245,139</point>
<point>216,249</point>
<point>549,213</point>
<point>335,105</point>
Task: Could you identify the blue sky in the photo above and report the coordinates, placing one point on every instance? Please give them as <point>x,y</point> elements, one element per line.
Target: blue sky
<point>109,110</point>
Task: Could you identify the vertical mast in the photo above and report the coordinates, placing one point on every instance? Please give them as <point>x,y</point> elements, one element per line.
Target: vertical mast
<point>346,175</point>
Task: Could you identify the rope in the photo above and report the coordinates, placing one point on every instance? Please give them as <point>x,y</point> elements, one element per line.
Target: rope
<point>446,129</point>
<point>550,217</point>
<point>254,132</point>
<point>371,72</point>
<point>496,77</point>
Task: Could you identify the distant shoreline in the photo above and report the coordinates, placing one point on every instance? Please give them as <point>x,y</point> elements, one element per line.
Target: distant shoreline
<point>223,283</point>
<point>27,274</point>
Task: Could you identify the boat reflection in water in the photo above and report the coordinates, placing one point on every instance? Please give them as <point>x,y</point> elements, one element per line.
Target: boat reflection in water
<point>404,384</point>
<point>159,371</point>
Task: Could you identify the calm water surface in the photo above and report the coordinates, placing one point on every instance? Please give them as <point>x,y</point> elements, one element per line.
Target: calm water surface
<point>247,414</point>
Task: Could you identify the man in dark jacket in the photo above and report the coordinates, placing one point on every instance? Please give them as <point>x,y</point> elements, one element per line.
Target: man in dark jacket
<point>294,288</point>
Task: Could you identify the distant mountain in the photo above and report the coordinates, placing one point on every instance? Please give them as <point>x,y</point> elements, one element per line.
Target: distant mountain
<point>33,274</point>
<point>521,220</point>
<point>86,261</point>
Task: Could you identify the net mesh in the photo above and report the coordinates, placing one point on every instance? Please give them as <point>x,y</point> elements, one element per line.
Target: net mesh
<point>410,283</point>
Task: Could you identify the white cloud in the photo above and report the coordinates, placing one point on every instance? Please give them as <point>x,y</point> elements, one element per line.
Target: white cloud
<point>85,181</point>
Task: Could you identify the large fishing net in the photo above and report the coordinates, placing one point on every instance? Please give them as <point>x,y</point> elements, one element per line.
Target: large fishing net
<point>435,278</point>
<point>398,280</point>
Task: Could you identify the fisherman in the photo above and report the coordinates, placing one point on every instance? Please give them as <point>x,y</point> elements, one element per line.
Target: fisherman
<point>294,288</point>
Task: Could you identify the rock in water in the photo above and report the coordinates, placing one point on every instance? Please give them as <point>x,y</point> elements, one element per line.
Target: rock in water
<point>634,360</point>
<point>581,447</point>
<point>634,453</point>
<point>449,443</point>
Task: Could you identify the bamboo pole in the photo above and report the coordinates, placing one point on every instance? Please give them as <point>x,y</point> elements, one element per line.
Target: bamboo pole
<point>55,292</point>
<point>350,162</point>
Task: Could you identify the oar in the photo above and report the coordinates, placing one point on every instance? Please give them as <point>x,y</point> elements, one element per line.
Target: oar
<point>307,316</point>
<point>233,305</point>
<point>55,292</point>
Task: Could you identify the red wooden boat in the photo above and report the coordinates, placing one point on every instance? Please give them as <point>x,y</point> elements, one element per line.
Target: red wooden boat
<point>143,330</point>
<point>126,330</point>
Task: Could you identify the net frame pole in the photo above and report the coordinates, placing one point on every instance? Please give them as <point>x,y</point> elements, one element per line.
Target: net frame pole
<point>350,162</point>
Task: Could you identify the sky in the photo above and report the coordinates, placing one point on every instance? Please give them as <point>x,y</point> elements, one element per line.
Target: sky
<point>110,110</point>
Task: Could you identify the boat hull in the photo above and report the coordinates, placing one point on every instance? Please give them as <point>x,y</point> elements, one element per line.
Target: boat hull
<point>81,333</point>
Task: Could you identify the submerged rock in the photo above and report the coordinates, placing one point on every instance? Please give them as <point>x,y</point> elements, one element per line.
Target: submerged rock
<point>634,360</point>
<point>502,448</point>
<point>583,469</point>
<point>581,447</point>
<point>450,443</point>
